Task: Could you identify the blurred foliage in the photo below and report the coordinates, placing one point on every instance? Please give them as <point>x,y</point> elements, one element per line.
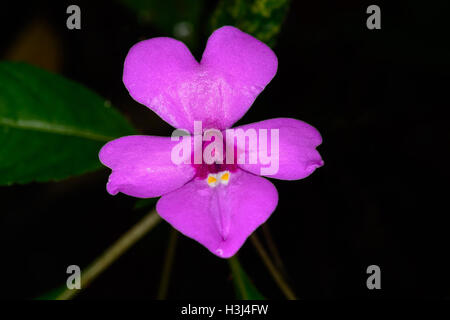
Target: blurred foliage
<point>50,127</point>
<point>39,44</point>
<point>53,294</point>
<point>245,290</point>
<point>145,203</point>
<point>260,18</point>
<point>175,18</point>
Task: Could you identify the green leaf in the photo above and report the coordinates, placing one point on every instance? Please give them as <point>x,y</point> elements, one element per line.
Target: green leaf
<point>260,18</point>
<point>245,290</point>
<point>50,127</point>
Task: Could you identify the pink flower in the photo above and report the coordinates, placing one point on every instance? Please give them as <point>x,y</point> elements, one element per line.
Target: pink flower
<point>218,205</point>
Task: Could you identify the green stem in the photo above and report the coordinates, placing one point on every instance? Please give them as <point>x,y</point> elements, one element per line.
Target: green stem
<point>114,252</point>
<point>168,263</point>
<point>234,265</point>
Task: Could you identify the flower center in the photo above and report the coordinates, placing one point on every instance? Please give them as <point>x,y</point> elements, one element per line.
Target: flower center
<point>214,179</point>
<point>218,172</point>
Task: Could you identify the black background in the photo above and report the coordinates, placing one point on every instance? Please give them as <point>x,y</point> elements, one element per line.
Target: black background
<point>379,99</point>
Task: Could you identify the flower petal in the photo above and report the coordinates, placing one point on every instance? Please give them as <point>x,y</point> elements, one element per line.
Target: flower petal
<point>154,73</point>
<point>142,166</point>
<point>297,156</point>
<point>162,74</point>
<point>246,64</point>
<point>222,217</point>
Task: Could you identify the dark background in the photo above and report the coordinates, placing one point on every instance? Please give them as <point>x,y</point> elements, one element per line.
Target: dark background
<point>379,99</point>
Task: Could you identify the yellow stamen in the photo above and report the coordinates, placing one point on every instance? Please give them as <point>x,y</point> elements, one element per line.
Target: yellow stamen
<point>215,179</point>
<point>211,179</point>
<point>225,176</point>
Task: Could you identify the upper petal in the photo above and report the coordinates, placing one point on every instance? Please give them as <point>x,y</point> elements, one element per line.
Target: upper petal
<point>296,156</point>
<point>156,73</point>
<point>142,166</point>
<point>162,74</point>
<point>220,218</point>
<point>246,64</point>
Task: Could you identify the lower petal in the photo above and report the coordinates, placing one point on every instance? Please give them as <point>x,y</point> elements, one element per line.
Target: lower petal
<point>221,218</point>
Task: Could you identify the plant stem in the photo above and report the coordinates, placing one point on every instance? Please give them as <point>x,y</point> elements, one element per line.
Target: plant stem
<point>234,265</point>
<point>167,266</point>
<point>273,248</point>
<point>276,275</point>
<point>114,252</point>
